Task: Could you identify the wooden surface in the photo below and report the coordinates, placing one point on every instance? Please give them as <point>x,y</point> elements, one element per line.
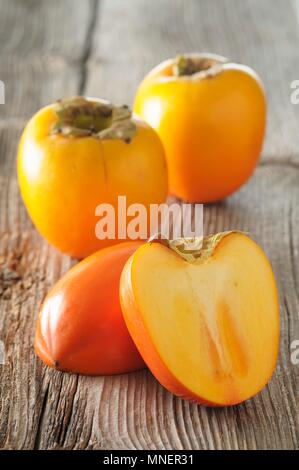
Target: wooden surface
<point>65,47</point>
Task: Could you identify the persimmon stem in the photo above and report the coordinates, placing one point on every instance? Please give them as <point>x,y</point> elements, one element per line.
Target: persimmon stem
<point>190,65</point>
<point>79,117</point>
<point>196,249</point>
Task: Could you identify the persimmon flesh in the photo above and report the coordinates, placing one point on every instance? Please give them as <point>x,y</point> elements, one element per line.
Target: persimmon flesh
<point>208,329</point>
<point>80,327</point>
<point>210,115</point>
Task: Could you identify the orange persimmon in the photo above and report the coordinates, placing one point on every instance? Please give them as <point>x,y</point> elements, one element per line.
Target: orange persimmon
<point>80,327</point>
<point>210,115</point>
<point>205,321</point>
<point>79,153</point>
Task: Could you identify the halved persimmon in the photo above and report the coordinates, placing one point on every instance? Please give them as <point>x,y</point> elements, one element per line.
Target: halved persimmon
<point>80,327</point>
<point>205,321</point>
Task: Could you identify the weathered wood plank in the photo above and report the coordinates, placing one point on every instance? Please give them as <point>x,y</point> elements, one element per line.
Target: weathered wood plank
<point>49,409</point>
<point>43,51</point>
<point>44,29</point>
<point>42,408</point>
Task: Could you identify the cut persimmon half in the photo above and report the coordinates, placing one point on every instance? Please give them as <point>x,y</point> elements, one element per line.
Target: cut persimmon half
<point>205,319</point>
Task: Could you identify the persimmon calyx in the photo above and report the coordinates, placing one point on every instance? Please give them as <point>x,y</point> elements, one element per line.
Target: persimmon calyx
<point>79,117</point>
<point>194,249</point>
<point>197,67</point>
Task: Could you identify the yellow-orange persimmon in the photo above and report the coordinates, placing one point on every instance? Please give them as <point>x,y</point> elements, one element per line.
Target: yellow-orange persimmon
<point>207,321</point>
<point>210,115</point>
<point>80,327</point>
<point>79,153</point>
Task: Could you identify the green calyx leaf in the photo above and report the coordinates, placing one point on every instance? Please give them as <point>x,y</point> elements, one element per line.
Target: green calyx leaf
<point>194,250</point>
<point>190,65</point>
<point>79,117</point>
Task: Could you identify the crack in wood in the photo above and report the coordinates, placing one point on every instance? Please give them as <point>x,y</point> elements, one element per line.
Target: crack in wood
<point>88,46</point>
<point>67,414</point>
<point>278,162</point>
<point>42,415</point>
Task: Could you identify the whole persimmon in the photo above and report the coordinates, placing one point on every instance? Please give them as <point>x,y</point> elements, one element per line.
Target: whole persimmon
<point>210,115</point>
<point>206,319</point>
<point>79,153</point>
<point>80,327</point>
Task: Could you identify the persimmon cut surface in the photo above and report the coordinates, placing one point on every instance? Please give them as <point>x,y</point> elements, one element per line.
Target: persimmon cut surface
<point>80,326</point>
<point>208,329</point>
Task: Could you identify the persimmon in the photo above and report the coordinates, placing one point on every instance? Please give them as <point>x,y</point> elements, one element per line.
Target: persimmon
<point>79,153</point>
<point>80,327</point>
<point>205,321</point>
<point>210,115</point>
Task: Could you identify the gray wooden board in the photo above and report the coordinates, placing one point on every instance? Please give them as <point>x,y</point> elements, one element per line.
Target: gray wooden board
<point>60,48</point>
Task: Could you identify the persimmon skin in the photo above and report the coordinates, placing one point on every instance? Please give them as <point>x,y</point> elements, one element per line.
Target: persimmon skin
<point>212,128</point>
<point>63,179</point>
<point>80,327</point>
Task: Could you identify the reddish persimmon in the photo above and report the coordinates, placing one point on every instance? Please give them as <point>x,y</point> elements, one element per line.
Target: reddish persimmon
<point>79,153</point>
<point>206,322</point>
<point>210,115</point>
<point>80,327</point>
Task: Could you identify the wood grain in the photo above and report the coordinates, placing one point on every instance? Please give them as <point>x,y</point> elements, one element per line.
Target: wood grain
<point>60,48</point>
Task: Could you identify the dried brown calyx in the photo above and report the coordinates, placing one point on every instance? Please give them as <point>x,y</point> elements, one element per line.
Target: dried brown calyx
<point>186,66</point>
<point>80,117</point>
<point>193,250</point>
